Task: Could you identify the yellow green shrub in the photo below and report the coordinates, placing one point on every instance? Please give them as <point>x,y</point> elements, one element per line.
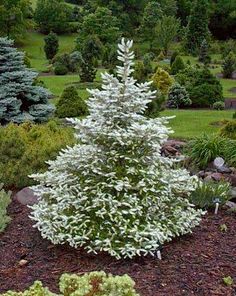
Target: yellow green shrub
<point>25,148</point>
<point>89,284</point>
<point>162,80</point>
<point>5,200</point>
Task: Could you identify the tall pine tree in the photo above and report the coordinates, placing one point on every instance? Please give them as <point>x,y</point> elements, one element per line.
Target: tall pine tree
<point>197,28</point>
<point>20,100</point>
<point>114,191</point>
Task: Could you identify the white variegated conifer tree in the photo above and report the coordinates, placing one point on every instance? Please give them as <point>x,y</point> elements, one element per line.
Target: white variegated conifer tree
<point>114,191</point>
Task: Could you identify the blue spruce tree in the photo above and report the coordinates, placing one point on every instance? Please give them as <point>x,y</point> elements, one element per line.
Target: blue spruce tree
<point>20,99</point>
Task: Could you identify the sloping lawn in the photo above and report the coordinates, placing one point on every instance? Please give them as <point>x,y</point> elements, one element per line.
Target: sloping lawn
<point>34,43</point>
<point>191,123</point>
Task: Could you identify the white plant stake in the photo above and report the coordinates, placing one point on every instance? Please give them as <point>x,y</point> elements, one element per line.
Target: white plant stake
<point>159,254</point>
<point>217,208</point>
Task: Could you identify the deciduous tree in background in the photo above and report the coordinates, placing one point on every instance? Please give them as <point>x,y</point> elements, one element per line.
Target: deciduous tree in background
<point>166,30</point>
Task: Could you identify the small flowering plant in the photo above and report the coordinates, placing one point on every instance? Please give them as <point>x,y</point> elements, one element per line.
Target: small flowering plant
<point>114,191</point>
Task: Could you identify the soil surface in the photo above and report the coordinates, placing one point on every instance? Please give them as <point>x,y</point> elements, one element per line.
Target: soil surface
<point>192,265</point>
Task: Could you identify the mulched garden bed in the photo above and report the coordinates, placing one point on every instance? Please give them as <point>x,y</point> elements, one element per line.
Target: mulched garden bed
<point>192,265</point>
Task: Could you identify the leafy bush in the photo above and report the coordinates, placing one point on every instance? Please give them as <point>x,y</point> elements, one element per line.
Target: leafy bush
<point>140,73</point>
<point>147,61</point>
<point>87,72</point>
<point>177,65</point>
<point>219,105</point>
<point>53,15</point>
<point>92,284</point>
<point>60,69</point>
<point>71,61</point>
<point>173,56</point>
<point>5,200</point>
<point>51,45</point>
<point>229,65</point>
<point>208,193</point>
<point>204,149</point>
<point>178,97</point>
<point>162,80</point>
<point>203,87</point>
<point>234,115</point>
<point>25,148</point>
<point>229,129</point>
<point>70,104</point>
<point>203,53</point>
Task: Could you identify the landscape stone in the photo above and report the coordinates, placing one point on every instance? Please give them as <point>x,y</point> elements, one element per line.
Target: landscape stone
<point>224,170</point>
<point>26,196</point>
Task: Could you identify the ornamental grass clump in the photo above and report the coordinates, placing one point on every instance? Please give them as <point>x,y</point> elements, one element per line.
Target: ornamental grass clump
<point>114,191</point>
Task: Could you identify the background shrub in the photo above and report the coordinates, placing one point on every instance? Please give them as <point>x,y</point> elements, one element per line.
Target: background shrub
<point>229,129</point>
<point>208,193</point>
<point>25,148</point>
<point>177,65</point>
<point>229,65</point>
<point>5,200</point>
<point>203,87</point>
<point>92,284</point>
<point>60,69</point>
<point>70,104</point>
<point>51,46</point>
<point>219,105</point>
<point>178,97</point>
<point>162,80</point>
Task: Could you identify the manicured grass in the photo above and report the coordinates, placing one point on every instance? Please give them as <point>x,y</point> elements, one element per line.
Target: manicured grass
<point>56,84</point>
<point>228,84</point>
<point>191,123</point>
<point>34,43</point>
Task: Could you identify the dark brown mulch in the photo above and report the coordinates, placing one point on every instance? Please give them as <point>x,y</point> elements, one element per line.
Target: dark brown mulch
<point>191,265</point>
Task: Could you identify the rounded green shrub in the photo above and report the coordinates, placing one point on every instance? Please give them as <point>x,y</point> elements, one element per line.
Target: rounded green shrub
<point>219,105</point>
<point>178,97</point>
<point>70,104</point>
<point>60,69</point>
<point>25,148</point>
<point>162,80</point>
<point>177,65</point>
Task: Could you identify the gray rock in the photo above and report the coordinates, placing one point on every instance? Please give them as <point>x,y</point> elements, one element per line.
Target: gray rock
<point>26,196</point>
<point>215,177</point>
<point>232,180</point>
<point>233,192</point>
<point>231,205</point>
<point>224,170</point>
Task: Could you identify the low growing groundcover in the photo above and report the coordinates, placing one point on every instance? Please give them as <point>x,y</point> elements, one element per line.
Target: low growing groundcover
<point>191,265</point>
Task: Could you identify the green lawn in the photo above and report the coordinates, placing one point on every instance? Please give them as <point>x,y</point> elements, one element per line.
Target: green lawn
<point>190,123</point>
<point>56,84</point>
<point>34,43</point>
<point>227,85</point>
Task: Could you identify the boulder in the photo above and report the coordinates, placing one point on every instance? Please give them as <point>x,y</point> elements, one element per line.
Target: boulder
<point>232,180</point>
<point>215,176</point>
<point>224,170</point>
<point>26,196</point>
